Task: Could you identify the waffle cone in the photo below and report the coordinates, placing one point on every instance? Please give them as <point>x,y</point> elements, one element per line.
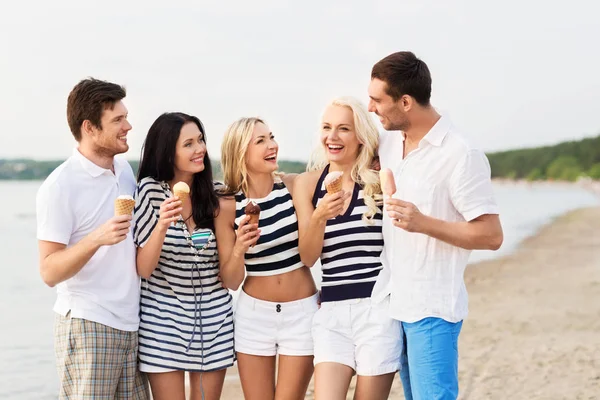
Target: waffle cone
<point>334,186</point>
<point>182,195</point>
<point>253,218</point>
<point>124,206</point>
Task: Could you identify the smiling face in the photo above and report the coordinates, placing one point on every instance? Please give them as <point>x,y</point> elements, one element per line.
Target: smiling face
<point>110,138</point>
<point>261,155</point>
<point>338,135</point>
<point>392,114</point>
<point>190,150</point>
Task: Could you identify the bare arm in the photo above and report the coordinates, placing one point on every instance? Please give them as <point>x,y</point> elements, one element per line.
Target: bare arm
<point>59,263</point>
<point>232,245</point>
<point>311,221</point>
<point>481,233</point>
<point>148,256</point>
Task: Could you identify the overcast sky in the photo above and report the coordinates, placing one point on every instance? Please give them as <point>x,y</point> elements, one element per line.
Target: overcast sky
<point>510,73</point>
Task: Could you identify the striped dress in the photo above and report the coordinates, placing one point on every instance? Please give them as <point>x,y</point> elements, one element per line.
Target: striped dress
<point>352,248</point>
<point>186,316</point>
<point>276,251</point>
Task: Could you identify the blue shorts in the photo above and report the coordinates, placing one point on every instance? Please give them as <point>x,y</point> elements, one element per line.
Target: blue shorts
<point>430,359</point>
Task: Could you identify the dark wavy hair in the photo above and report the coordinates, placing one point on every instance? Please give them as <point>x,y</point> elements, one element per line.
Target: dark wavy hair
<point>158,162</point>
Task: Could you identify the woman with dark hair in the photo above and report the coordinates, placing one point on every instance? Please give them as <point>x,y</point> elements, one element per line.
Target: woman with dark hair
<point>186,313</point>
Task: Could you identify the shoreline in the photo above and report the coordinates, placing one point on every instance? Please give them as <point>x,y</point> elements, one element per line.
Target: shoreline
<point>533,324</point>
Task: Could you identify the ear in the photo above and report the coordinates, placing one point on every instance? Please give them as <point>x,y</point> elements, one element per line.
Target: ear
<point>407,103</point>
<point>87,128</point>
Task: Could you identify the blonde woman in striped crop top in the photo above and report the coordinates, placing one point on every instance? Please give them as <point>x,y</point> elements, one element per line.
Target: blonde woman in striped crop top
<point>278,299</point>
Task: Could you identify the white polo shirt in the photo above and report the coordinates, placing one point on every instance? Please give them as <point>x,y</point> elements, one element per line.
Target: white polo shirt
<point>74,200</point>
<point>448,179</point>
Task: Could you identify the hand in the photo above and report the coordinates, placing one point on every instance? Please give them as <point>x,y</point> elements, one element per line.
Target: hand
<point>169,212</point>
<point>246,235</point>
<point>331,205</point>
<point>113,231</point>
<point>375,164</point>
<point>405,215</point>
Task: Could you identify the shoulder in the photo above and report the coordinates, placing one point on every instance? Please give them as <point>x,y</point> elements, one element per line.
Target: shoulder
<point>309,178</point>
<point>459,141</point>
<point>288,179</point>
<point>147,186</point>
<point>227,207</point>
<point>59,180</point>
<point>464,154</point>
<point>306,182</point>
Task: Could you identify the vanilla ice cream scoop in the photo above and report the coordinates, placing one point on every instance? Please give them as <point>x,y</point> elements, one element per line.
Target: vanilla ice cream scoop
<point>181,190</point>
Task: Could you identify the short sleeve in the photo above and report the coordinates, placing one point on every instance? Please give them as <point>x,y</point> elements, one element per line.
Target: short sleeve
<point>471,188</point>
<point>145,216</point>
<point>55,220</point>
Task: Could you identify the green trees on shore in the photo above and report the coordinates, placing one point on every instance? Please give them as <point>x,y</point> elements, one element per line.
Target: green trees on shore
<point>23,169</point>
<point>566,161</point>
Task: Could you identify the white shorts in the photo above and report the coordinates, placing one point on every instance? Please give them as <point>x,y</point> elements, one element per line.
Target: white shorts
<point>358,334</point>
<point>265,328</point>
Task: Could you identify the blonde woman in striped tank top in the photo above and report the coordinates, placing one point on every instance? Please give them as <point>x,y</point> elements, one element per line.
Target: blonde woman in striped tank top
<point>351,333</point>
<point>278,299</point>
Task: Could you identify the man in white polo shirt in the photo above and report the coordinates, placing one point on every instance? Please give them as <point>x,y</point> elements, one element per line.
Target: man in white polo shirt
<point>442,209</point>
<point>88,253</point>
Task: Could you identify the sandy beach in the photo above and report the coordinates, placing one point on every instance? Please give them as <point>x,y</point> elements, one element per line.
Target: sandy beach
<point>533,331</point>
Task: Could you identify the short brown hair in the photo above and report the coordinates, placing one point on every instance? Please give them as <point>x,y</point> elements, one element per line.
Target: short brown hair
<point>88,100</point>
<point>404,74</point>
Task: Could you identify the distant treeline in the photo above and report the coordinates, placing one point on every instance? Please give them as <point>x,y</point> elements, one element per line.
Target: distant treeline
<point>567,161</point>
<point>24,169</point>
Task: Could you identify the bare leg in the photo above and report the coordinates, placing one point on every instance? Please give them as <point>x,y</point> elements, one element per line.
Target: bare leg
<point>293,377</point>
<point>167,385</point>
<point>373,387</point>
<point>212,384</point>
<point>257,374</point>
<point>332,381</point>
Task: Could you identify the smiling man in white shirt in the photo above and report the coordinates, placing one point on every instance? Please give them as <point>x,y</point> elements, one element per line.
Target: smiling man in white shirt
<point>443,208</point>
<point>89,254</point>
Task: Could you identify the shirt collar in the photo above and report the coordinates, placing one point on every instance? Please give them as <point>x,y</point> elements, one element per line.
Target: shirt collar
<point>438,132</point>
<point>93,169</point>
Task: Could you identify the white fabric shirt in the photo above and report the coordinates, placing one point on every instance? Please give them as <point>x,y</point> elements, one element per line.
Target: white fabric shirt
<point>448,179</point>
<point>74,200</point>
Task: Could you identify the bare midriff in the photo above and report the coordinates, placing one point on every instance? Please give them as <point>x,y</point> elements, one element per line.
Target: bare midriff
<point>290,286</point>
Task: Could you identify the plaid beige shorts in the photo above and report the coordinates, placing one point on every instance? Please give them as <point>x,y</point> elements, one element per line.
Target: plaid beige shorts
<point>95,361</point>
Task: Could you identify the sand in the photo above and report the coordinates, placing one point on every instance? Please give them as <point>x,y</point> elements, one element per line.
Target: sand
<point>533,330</point>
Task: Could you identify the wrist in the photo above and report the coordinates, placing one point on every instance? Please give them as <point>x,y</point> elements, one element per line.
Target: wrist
<point>427,225</point>
<point>92,242</point>
<point>319,219</point>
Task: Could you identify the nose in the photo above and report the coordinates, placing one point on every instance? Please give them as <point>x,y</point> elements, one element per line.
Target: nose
<point>273,144</point>
<point>371,106</point>
<point>127,125</point>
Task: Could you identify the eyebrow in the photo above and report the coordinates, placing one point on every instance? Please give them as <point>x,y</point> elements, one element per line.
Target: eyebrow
<point>119,116</point>
<point>264,136</point>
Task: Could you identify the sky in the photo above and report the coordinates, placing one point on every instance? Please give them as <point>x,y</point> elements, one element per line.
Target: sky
<point>510,74</point>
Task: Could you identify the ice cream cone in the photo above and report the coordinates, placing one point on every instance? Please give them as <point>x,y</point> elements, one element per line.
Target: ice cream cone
<point>181,190</point>
<point>124,205</point>
<point>333,182</point>
<point>252,210</point>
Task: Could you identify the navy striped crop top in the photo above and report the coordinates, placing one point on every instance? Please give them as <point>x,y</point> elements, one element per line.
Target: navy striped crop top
<point>276,251</point>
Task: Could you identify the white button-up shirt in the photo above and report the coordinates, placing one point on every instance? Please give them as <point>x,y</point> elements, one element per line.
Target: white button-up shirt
<point>448,179</point>
<point>74,200</point>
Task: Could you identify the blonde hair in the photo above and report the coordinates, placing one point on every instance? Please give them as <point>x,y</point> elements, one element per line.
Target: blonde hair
<point>368,137</point>
<point>233,154</point>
